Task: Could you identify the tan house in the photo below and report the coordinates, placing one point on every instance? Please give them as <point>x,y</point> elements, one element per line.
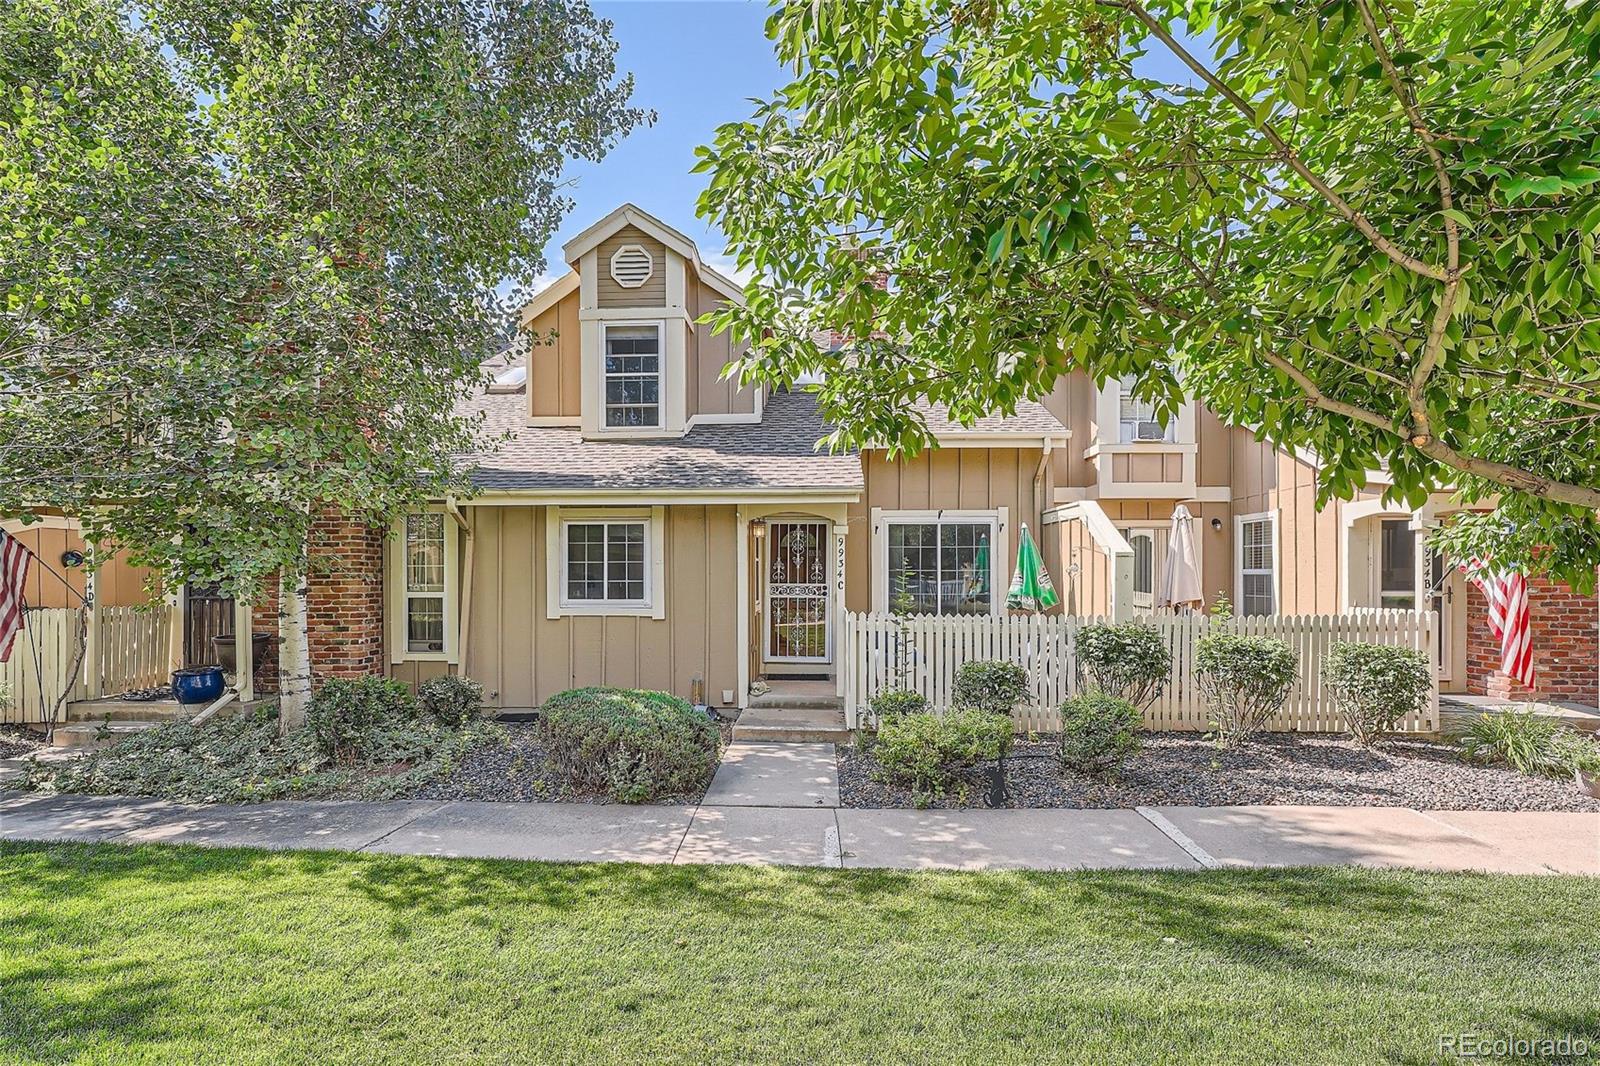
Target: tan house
<point>648,523</point>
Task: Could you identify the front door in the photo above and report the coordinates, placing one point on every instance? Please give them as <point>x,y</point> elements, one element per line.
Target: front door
<point>798,599</point>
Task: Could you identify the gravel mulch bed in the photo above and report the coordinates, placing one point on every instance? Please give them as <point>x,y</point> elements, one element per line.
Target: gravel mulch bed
<point>1177,769</point>
<point>15,743</point>
<point>516,772</point>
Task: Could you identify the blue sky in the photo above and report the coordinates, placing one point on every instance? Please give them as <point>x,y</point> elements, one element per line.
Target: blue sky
<point>697,63</point>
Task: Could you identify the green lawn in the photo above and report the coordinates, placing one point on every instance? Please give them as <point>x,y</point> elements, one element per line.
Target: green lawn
<point>151,954</point>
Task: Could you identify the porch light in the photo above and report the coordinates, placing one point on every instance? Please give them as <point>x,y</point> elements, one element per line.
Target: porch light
<point>759,528</point>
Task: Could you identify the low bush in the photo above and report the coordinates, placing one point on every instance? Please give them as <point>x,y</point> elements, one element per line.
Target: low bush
<point>996,687</point>
<point>1374,686</point>
<point>926,751</point>
<point>893,702</point>
<point>351,721</point>
<point>450,700</point>
<point>1099,732</point>
<point>244,759</point>
<point>1531,743</point>
<point>1243,681</point>
<point>1130,660</point>
<point>632,744</point>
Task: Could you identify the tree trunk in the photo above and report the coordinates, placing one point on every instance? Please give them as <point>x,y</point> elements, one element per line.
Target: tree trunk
<point>294,653</point>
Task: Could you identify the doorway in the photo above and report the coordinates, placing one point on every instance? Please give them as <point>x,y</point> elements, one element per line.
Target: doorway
<point>798,594</point>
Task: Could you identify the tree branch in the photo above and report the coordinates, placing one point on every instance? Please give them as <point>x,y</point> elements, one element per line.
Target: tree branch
<point>1290,157</point>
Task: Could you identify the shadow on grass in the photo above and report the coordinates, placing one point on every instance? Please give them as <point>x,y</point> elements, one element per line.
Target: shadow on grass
<point>63,909</point>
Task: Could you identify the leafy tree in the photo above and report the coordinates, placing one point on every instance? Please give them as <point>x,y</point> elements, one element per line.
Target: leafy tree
<point>1365,228</point>
<point>251,256</point>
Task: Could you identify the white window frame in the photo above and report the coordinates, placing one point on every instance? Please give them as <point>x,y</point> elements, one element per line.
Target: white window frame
<point>399,596</point>
<point>1419,564</point>
<point>1127,430</point>
<point>999,549</point>
<point>1239,522</point>
<point>557,602</point>
<point>660,327</point>
<point>1146,600</point>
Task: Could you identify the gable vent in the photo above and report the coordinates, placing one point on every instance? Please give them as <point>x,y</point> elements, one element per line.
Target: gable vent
<point>631,266</point>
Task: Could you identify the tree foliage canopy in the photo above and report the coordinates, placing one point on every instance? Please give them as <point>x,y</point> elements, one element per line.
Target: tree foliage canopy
<point>1364,227</point>
<point>251,252</point>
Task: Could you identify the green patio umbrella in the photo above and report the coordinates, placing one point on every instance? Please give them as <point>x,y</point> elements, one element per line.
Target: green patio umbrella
<point>1031,589</point>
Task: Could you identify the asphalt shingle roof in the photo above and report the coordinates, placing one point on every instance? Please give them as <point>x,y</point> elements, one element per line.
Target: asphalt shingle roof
<point>777,453</point>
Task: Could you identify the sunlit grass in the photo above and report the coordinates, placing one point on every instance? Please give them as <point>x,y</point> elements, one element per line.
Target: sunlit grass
<point>118,955</point>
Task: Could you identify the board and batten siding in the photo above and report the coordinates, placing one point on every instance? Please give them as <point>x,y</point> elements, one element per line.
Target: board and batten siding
<point>555,362</point>
<point>522,657</point>
<point>967,479</point>
<point>117,583</point>
<point>653,293</point>
<point>707,353</point>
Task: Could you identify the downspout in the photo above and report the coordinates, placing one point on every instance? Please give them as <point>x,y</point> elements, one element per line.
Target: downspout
<point>1038,480</point>
<point>465,622</point>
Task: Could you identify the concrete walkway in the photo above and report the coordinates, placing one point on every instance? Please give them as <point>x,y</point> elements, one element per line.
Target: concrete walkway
<point>779,804</point>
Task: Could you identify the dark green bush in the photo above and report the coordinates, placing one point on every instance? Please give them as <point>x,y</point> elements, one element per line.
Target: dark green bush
<point>1375,686</point>
<point>633,744</point>
<point>892,702</point>
<point>1243,681</point>
<point>1130,660</point>
<point>1531,743</point>
<point>996,687</point>
<point>450,700</point>
<point>925,751</point>
<point>1099,732</point>
<point>348,720</point>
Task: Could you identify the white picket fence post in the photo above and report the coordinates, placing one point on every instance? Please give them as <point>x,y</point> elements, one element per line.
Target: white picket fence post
<point>924,652</point>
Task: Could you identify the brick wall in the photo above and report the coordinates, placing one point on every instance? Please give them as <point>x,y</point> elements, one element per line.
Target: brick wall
<point>1566,646</point>
<point>346,604</point>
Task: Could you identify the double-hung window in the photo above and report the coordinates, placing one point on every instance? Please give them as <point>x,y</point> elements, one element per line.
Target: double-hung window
<point>606,563</point>
<point>1138,418</point>
<point>425,576</point>
<point>941,566</point>
<point>633,377</point>
<point>1258,564</point>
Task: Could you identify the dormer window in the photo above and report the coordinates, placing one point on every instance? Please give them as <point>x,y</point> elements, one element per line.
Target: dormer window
<point>633,376</point>
<point>1139,419</point>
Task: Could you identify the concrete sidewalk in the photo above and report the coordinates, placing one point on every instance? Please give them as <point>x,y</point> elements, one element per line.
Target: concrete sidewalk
<point>1182,838</point>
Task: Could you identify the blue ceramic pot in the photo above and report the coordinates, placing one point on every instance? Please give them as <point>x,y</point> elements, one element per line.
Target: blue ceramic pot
<point>199,684</point>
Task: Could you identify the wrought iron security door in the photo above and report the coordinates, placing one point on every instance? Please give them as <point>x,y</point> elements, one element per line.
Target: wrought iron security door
<point>797,593</point>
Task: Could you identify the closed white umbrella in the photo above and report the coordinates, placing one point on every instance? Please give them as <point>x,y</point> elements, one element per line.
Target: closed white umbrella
<point>1180,585</point>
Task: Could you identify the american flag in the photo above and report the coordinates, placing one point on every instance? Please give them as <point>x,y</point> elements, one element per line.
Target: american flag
<point>1507,594</point>
<point>14,562</point>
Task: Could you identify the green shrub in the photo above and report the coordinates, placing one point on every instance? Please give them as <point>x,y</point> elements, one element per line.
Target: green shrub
<point>1099,732</point>
<point>1130,660</point>
<point>632,744</point>
<point>1374,686</point>
<point>1243,681</point>
<point>450,700</point>
<point>892,702</point>
<point>996,687</point>
<point>348,720</point>
<point>1531,743</point>
<point>925,751</point>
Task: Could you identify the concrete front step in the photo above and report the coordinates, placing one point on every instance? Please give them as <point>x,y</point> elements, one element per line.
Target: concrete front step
<point>87,736</point>
<point>791,724</point>
<point>120,710</point>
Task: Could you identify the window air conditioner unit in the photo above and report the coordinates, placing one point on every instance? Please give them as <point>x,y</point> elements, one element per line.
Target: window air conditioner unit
<point>1149,431</point>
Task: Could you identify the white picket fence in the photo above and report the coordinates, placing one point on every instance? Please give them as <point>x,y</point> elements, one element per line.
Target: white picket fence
<point>923,653</point>
<point>132,653</point>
